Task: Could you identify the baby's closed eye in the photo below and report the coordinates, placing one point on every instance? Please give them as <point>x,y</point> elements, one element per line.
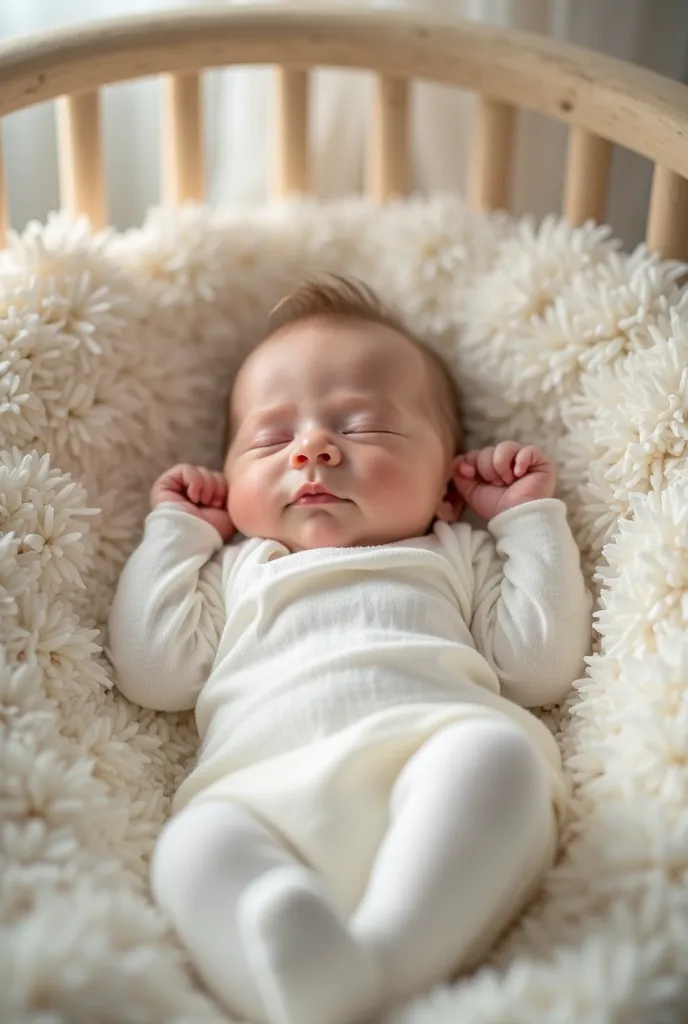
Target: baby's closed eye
<point>270,441</point>
<point>366,429</point>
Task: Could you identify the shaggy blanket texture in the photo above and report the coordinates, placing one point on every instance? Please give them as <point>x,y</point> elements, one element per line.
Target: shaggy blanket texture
<point>116,355</point>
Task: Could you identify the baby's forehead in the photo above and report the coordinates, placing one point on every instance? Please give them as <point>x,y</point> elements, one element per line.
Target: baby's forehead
<point>328,357</point>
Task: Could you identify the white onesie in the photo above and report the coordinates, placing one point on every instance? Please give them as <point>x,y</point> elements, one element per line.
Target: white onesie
<point>316,675</point>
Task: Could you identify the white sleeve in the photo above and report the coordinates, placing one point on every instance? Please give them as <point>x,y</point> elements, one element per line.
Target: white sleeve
<point>168,612</point>
<point>531,610</point>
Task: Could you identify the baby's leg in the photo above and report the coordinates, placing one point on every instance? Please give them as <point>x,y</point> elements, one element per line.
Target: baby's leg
<point>257,925</point>
<point>470,835</point>
<point>205,860</point>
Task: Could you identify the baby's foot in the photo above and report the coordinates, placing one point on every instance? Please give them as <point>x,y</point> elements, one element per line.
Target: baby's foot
<point>308,968</point>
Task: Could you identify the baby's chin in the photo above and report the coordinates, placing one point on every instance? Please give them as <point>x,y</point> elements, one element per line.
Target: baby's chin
<point>323,534</point>
<point>313,531</point>
<point>308,529</point>
<point>320,532</point>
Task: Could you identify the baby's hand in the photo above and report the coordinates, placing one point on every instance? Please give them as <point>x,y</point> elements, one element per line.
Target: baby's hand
<point>492,480</point>
<point>200,492</point>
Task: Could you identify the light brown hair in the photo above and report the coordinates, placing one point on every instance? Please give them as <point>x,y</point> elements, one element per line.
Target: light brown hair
<point>349,299</point>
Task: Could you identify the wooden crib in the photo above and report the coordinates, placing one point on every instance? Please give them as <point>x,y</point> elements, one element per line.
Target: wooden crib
<point>604,101</point>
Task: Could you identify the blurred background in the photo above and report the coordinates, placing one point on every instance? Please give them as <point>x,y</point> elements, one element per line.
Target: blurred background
<point>652,33</point>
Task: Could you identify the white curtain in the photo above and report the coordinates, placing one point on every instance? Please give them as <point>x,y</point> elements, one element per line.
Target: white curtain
<point>238,115</point>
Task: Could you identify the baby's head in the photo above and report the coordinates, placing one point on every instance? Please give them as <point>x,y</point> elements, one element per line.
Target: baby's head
<point>343,427</point>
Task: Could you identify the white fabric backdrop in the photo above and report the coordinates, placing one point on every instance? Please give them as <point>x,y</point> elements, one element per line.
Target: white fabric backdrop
<point>653,33</point>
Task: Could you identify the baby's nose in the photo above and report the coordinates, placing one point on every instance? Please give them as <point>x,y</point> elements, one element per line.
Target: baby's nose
<point>315,448</point>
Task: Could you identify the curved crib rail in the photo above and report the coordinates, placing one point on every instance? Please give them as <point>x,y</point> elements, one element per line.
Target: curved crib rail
<point>603,100</point>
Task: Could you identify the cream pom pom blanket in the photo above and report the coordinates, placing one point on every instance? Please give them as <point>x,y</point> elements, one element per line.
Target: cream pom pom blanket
<point>116,353</point>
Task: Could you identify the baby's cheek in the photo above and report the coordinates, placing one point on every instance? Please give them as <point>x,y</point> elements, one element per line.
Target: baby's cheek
<point>245,506</point>
<point>389,476</point>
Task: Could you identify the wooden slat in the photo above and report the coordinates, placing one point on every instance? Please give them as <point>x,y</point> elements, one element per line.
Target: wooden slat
<point>588,165</point>
<point>183,175</point>
<point>634,107</point>
<point>291,163</point>
<point>491,155</point>
<point>4,205</point>
<point>667,222</point>
<point>389,170</point>
<point>80,157</point>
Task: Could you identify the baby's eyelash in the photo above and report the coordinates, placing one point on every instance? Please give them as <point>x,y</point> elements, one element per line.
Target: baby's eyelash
<point>366,430</point>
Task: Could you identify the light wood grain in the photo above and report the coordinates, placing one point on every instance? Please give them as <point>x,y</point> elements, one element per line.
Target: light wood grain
<point>183,174</point>
<point>588,166</point>
<point>667,222</point>
<point>80,158</point>
<point>629,105</point>
<point>491,155</point>
<point>388,169</point>
<point>291,164</point>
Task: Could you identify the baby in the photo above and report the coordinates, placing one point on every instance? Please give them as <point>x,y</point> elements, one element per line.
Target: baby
<point>372,804</point>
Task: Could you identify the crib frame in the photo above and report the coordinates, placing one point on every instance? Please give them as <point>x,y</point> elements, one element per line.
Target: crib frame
<point>605,102</point>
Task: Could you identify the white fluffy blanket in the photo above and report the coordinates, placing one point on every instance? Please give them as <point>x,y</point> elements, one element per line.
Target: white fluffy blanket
<point>116,353</point>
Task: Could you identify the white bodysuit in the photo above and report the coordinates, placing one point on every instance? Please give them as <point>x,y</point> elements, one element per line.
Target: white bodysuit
<point>316,675</point>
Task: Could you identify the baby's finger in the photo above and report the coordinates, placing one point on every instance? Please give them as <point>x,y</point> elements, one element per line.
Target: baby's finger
<point>465,467</point>
<point>207,487</point>
<point>525,459</point>
<point>470,457</point>
<point>219,496</point>
<point>504,456</point>
<point>171,482</point>
<point>193,481</point>
<point>174,479</point>
<point>486,467</point>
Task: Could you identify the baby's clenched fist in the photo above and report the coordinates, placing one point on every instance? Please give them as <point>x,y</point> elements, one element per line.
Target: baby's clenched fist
<point>200,492</point>
<point>491,480</point>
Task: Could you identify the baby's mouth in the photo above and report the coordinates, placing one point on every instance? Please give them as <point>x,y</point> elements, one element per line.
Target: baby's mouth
<point>316,499</point>
<point>315,494</point>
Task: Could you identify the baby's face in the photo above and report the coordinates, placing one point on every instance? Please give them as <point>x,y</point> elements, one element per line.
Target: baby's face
<point>336,438</point>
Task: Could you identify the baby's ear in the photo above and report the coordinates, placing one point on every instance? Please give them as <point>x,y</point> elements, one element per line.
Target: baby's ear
<point>451,505</point>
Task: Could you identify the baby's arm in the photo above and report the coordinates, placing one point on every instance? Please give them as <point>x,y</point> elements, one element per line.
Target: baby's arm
<point>168,611</point>
<point>531,610</point>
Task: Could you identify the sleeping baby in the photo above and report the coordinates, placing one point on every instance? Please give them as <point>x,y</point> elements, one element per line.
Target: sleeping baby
<point>372,804</point>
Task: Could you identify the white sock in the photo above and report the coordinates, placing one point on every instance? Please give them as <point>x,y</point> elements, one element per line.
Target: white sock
<point>307,966</point>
